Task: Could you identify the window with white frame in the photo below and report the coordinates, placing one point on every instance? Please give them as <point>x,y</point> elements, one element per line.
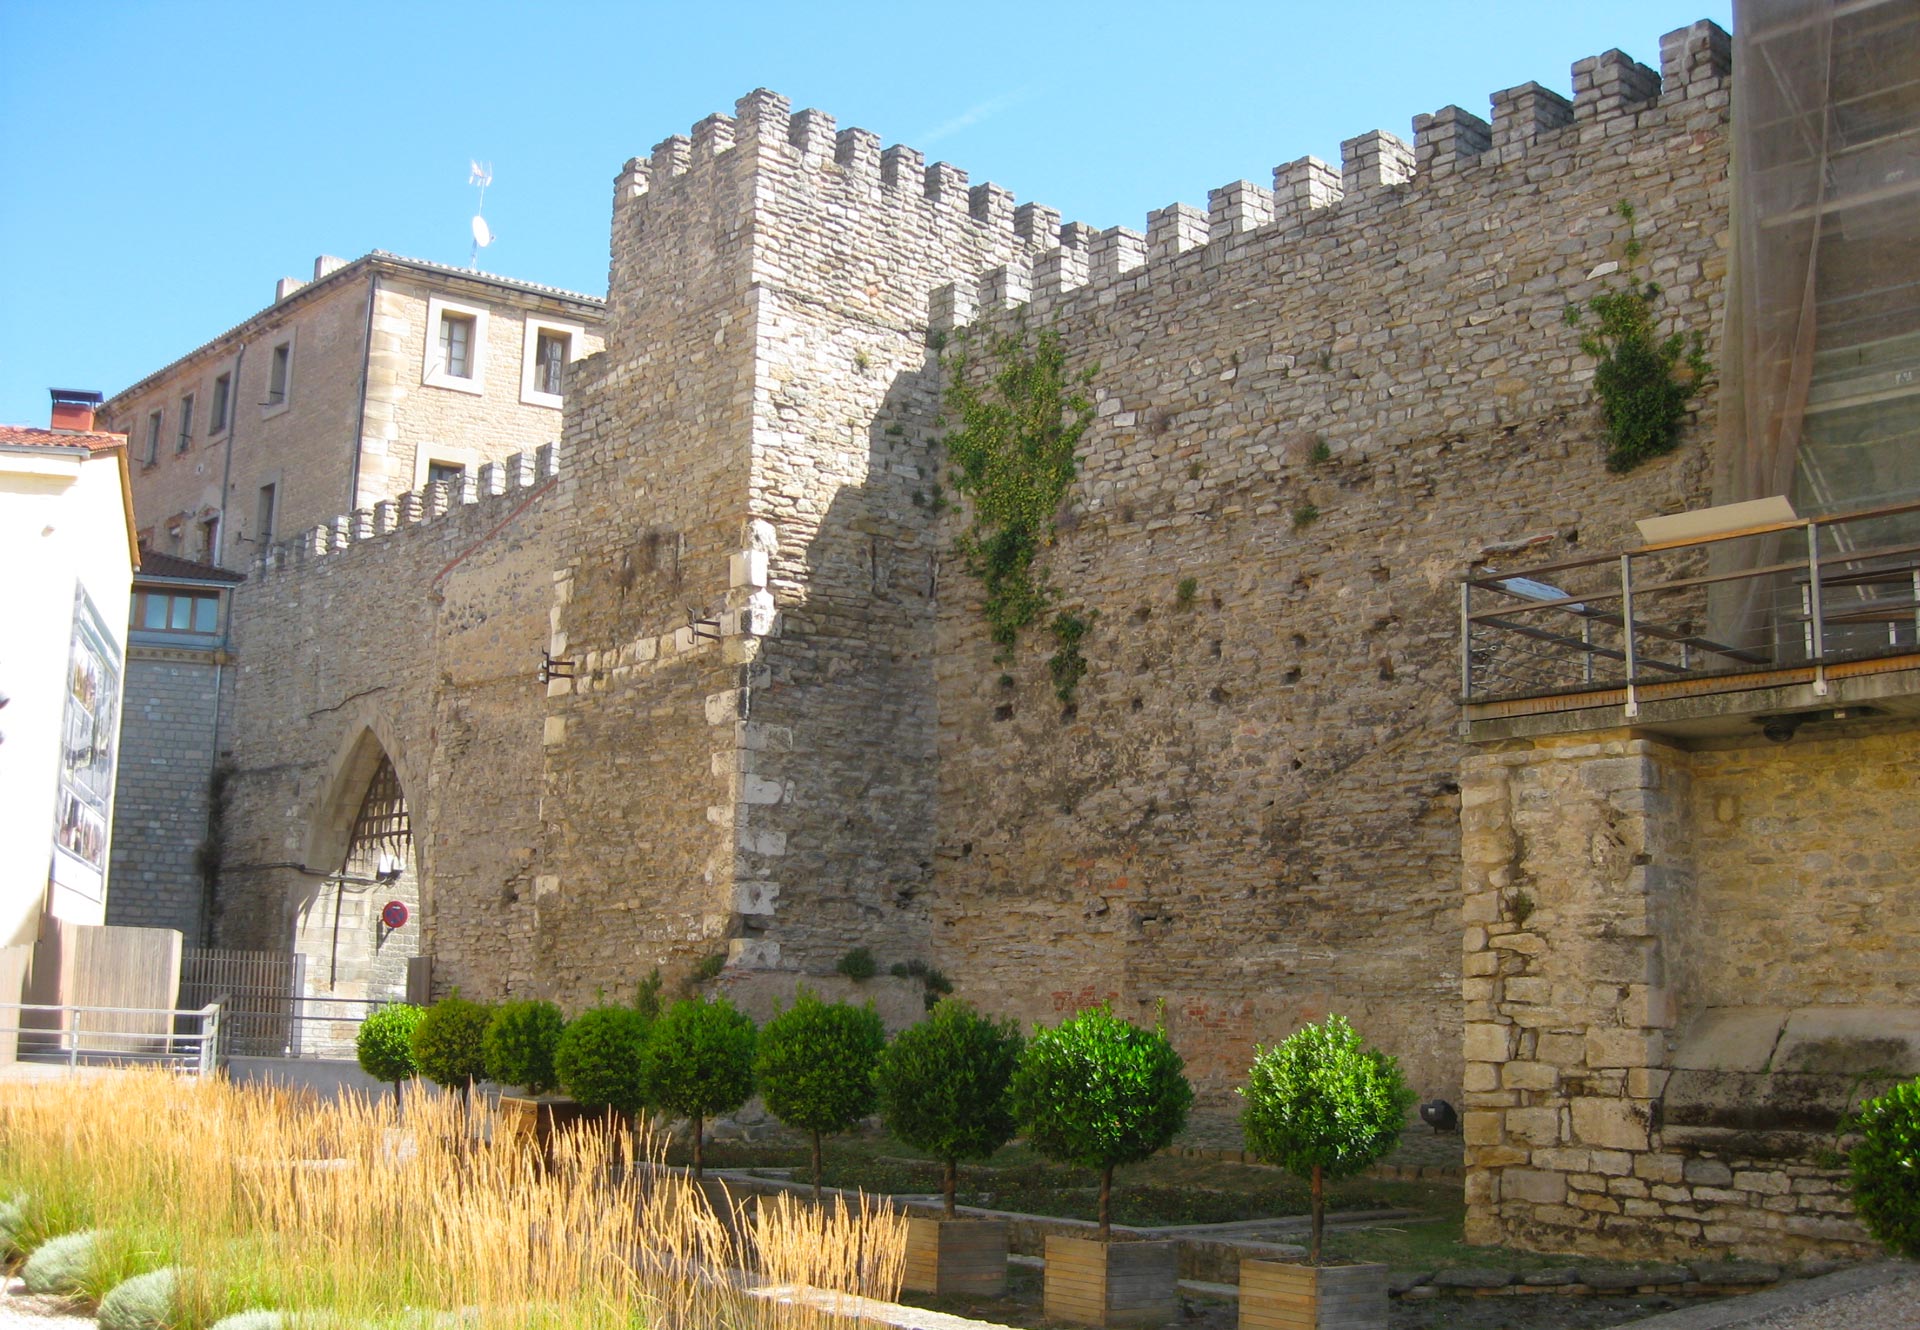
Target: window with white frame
<point>546,352</point>
<point>456,352</point>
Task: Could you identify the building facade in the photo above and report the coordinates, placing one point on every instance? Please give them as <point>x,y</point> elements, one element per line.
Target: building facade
<point>376,377</point>
<point>166,856</point>
<point>710,678</point>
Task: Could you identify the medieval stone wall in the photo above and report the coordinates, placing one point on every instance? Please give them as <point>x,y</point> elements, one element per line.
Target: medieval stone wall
<point>785,734</point>
<point>1685,964</point>
<point>1322,406</point>
<point>414,630</point>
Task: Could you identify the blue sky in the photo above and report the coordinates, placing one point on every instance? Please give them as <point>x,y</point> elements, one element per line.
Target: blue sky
<point>163,164</point>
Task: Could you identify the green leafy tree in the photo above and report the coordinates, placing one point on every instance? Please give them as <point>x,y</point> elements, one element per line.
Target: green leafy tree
<point>815,1065</point>
<point>1099,1091</point>
<point>384,1045</point>
<point>597,1059</point>
<point>699,1062</point>
<point>1019,423</point>
<point>519,1044</point>
<point>449,1042</point>
<point>1884,1168</point>
<point>1321,1104</point>
<point>1643,380</point>
<point>943,1086</point>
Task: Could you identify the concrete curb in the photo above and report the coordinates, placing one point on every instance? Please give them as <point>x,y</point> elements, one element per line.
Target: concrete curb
<point>1801,1293</point>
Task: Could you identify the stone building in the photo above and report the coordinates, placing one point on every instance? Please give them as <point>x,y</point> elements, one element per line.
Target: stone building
<point>707,679</point>
<point>177,665</point>
<point>374,378</point>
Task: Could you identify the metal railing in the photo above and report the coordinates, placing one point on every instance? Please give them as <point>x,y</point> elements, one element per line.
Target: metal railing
<point>1787,595</point>
<point>290,1026</point>
<point>187,1039</point>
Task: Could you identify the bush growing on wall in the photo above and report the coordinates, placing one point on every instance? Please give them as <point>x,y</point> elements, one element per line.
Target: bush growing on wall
<point>815,1066</point>
<point>384,1045</point>
<point>1321,1104</point>
<point>519,1044</point>
<point>1099,1091</point>
<point>943,1086</point>
<point>449,1042</point>
<point>1885,1169</point>
<point>699,1062</point>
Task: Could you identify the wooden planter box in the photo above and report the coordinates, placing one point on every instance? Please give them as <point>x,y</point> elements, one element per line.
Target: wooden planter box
<point>539,1117</point>
<point>957,1256</point>
<point>1112,1283</point>
<point>1279,1295</point>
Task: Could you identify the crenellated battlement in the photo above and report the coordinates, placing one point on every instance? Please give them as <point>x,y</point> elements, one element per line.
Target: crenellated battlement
<point>492,487</point>
<point>896,179</point>
<point>1452,151</point>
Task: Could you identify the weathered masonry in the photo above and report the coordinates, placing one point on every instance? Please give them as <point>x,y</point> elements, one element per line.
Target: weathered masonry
<point>775,728</point>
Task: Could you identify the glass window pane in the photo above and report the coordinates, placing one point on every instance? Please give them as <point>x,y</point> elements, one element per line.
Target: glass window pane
<point>179,615</point>
<point>206,614</point>
<point>153,612</point>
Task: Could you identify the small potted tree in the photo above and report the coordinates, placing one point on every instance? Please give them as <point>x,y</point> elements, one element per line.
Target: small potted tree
<point>1320,1104</point>
<point>384,1045</point>
<point>518,1047</point>
<point>815,1064</point>
<point>448,1043</point>
<point>699,1062</point>
<point>597,1061</point>
<point>943,1089</point>
<point>1100,1091</point>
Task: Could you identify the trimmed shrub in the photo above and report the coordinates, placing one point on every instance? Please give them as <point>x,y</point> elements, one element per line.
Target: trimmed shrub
<point>62,1264</point>
<point>448,1044</point>
<point>1321,1104</point>
<point>598,1056</point>
<point>13,1218</point>
<point>815,1066</point>
<point>519,1043</point>
<point>942,1086</point>
<point>699,1062</point>
<point>1099,1091</point>
<point>144,1302</point>
<point>1885,1169</point>
<point>384,1044</point>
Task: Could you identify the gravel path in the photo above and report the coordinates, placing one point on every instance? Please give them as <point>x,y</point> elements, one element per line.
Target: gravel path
<point>1881,1296</point>
<point>25,1311</point>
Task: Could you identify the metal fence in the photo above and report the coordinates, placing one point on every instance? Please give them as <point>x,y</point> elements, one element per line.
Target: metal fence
<point>1788,595</point>
<point>187,1039</point>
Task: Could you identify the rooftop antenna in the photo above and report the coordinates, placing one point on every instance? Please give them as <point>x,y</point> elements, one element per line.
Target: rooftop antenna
<point>480,174</point>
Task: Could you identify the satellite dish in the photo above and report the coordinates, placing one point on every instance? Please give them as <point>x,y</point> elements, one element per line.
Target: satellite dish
<point>482,233</point>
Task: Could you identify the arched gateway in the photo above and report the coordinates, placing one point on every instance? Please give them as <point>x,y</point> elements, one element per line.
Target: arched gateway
<point>358,917</point>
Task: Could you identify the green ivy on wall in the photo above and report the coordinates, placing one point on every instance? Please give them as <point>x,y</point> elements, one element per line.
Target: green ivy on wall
<point>1643,380</point>
<point>1018,422</point>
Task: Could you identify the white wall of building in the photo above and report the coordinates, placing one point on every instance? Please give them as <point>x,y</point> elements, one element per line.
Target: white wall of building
<point>63,526</point>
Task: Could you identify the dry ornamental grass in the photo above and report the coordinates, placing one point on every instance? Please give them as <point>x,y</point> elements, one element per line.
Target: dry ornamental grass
<point>343,1213</point>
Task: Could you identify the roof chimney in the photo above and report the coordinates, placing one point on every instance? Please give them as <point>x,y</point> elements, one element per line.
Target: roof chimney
<point>325,265</point>
<point>73,409</point>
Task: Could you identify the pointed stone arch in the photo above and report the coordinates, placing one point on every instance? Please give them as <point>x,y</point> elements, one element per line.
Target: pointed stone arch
<point>364,824</point>
<point>369,742</point>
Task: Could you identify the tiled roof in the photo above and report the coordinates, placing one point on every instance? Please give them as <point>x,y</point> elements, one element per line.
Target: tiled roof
<point>168,567</point>
<point>29,436</point>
